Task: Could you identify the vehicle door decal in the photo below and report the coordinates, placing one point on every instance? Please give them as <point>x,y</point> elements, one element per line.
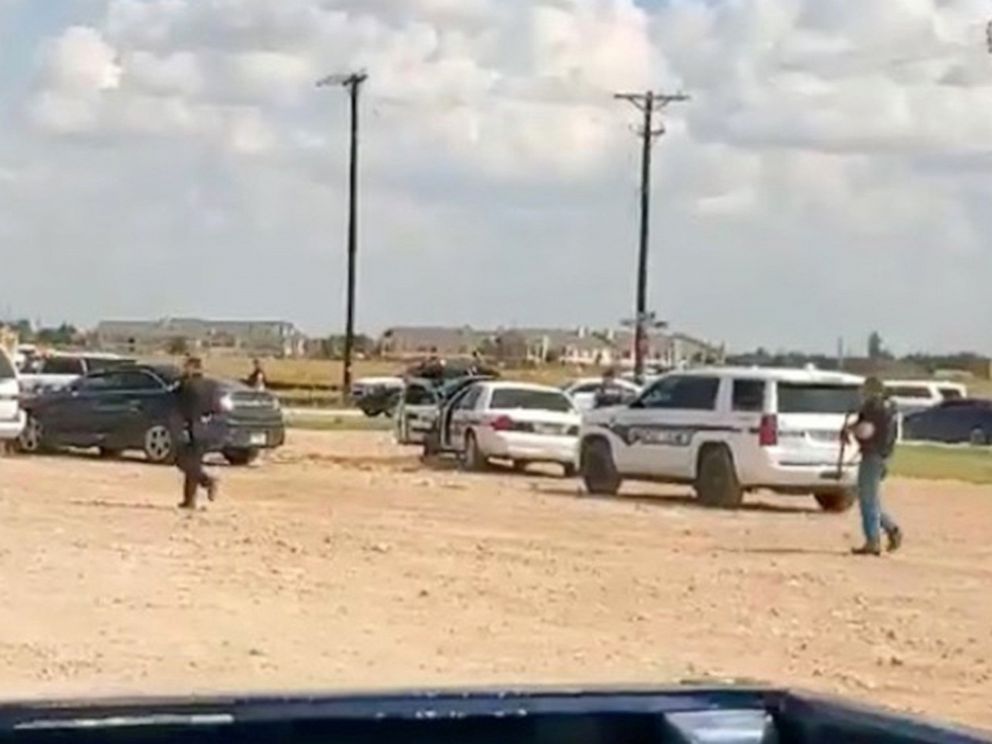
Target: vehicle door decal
<point>664,435</point>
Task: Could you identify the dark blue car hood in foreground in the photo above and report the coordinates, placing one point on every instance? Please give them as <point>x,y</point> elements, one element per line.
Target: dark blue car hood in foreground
<point>731,715</point>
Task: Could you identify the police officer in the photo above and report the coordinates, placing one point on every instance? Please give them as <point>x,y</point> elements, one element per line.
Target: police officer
<point>196,401</point>
<point>875,432</point>
<point>609,393</point>
<point>256,380</point>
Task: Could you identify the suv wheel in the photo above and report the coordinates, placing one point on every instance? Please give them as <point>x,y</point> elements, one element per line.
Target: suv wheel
<point>158,444</point>
<point>32,438</point>
<point>716,479</point>
<point>599,471</point>
<point>836,502</point>
<point>473,459</point>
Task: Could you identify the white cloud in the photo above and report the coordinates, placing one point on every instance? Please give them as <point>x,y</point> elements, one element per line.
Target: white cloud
<point>822,137</point>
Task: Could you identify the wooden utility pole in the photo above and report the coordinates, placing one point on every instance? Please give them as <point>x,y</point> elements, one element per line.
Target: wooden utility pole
<point>353,82</point>
<point>649,103</point>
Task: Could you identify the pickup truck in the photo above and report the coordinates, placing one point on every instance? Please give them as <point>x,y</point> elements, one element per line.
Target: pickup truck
<point>684,715</point>
<point>55,371</point>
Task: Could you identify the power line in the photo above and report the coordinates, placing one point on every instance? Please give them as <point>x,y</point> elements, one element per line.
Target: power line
<point>649,103</point>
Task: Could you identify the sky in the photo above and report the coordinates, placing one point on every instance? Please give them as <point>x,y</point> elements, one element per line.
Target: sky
<point>828,177</point>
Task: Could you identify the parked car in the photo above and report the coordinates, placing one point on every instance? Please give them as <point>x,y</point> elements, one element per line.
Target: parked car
<point>583,392</point>
<point>134,407</point>
<point>513,421</point>
<point>377,395</point>
<point>727,431</point>
<point>419,407</point>
<point>11,415</point>
<point>58,370</point>
<point>953,421</point>
<point>910,396</point>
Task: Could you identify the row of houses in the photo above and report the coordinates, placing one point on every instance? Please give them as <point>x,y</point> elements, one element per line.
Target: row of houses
<point>579,346</point>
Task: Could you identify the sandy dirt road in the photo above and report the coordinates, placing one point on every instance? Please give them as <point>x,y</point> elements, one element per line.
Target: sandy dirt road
<point>341,562</point>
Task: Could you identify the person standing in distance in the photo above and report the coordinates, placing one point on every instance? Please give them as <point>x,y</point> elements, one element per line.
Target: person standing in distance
<point>875,432</point>
<point>256,380</point>
<point>197,402</point>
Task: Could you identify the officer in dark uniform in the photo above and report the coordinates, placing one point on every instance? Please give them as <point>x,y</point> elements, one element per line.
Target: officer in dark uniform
<point>196,401</point>
<point>609,393</point>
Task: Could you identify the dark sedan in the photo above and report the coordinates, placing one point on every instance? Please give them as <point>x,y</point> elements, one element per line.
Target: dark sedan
<point>135,408</point>
<point>954,421</point>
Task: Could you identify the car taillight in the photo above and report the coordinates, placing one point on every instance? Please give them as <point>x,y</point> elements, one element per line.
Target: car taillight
<point>503,423</point>
<point>768,431</point>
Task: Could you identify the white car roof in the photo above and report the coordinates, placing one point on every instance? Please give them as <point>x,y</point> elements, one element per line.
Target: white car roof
<point>925,383</point>
<point>597,380</point>
<point>780,374</point>
<point>509,385</point>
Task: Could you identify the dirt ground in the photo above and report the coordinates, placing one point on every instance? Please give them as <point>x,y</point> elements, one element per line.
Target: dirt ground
<point>341,562</point>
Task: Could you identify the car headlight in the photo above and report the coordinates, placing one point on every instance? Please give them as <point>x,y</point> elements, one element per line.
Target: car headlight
<point>226,403</point>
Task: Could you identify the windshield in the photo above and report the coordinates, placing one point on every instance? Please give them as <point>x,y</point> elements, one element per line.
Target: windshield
<point>821,398</point>
<point>541,400</point>
<point>382,239</point>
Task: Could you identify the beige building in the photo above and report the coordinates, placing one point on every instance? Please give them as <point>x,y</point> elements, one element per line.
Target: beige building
<point>264,338</point>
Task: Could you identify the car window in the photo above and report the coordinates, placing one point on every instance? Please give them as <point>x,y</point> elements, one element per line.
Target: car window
<point>908,391</point>
<point>6,368</point>
<point>685,393</point>
<point>589,387</point>
<point>62,366</point>
<point>526,398</point>
<point>418,395</point>
<point>94,383</point>
<point>749,396</point>
<point>802,397</point>
<point>469,399</point>
<point>131,380</point>
<point>948,393</point>
<point>99,364</point>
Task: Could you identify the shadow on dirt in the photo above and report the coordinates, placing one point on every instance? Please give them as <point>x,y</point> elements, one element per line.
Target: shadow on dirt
<point>681,500</point>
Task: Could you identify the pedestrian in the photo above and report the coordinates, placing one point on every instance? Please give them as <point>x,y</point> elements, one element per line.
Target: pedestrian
<point>609,393</point>
<point>875,431</point>
<point>197,402</point>
<point>257,379</point>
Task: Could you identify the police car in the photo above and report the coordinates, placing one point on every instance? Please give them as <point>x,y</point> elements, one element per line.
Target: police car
<point>727,431</point>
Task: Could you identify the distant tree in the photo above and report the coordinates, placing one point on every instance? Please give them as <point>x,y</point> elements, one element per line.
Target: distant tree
<point>511,346</point>
<point>178,346</point>
<point>63,335</point>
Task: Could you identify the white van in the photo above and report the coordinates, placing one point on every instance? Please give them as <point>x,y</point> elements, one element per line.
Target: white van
<point>11,415</point>
<point>910,396</point>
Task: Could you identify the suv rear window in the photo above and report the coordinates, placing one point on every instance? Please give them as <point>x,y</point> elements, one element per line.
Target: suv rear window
<point>749,395</point>
<point>542,400</point>
<point>801,397</point>
<point>63,366</point>
<point>950,394</point>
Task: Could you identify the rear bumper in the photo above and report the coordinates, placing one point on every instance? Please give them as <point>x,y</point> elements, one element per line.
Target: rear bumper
<point>244,435</point>
<point>775,474</point>
<point>12,428</point>
<point>530,447</point>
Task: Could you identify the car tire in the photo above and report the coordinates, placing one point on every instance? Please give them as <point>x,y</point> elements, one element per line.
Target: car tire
<point>31,440</point>
<point>159,444</point>
<point>836,502</point>
<point>599,471</point>
<point>716,479</point>
<point>979,438</point>
<point>240,457</point>
<point>569,470</point>
<point>473,459</point>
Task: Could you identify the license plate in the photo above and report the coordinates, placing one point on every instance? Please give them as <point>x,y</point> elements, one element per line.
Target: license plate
<point>547,429</point>
<point>258,438</point>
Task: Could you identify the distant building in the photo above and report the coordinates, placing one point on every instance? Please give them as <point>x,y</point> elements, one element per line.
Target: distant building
<point>573,346</point>
<point>416,342</point>
<point>175,335</point>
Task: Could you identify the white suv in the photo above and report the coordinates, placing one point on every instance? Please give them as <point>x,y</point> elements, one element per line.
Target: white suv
<point>728,431</point>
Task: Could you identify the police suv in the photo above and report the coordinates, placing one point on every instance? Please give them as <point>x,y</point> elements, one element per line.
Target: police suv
<point>727,431</point>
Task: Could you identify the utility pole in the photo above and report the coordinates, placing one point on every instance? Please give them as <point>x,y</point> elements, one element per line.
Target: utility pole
<point>353,82</point>
<point>649,103</point>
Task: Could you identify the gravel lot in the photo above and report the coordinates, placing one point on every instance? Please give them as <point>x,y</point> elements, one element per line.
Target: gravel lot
<point>342,562</point>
